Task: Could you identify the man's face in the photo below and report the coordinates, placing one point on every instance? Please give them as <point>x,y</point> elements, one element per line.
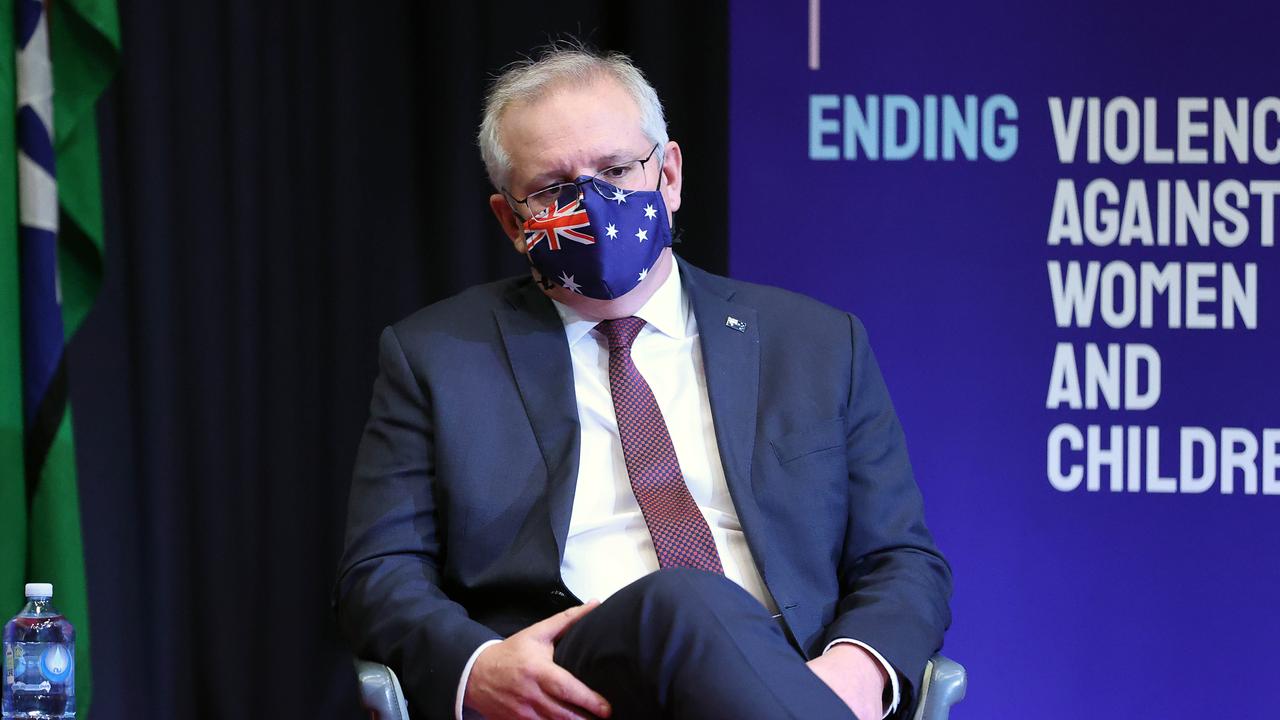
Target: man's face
<point>573,131</point>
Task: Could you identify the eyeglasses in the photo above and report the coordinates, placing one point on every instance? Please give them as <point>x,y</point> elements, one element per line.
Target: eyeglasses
<point>614,182</point>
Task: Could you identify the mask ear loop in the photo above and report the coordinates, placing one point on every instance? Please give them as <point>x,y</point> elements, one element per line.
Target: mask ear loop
<point>539,279</point>
<point>677,234</point>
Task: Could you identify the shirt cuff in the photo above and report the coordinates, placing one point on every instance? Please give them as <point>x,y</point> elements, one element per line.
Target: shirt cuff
<point>891,703</point>
<point>466,673</point>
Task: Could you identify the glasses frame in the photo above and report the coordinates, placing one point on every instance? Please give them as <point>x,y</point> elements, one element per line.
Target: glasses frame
<point>577,184</point>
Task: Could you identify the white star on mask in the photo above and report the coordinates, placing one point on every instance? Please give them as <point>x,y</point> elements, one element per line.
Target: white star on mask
<point>649,211</point>
<point>567,281</point>
<point>620,196</point>
<point>611,231</point>
<point>643,274</point>
<point>642,235</point>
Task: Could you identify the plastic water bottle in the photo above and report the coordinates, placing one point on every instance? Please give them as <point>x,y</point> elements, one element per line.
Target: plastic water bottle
<point>39,660</point>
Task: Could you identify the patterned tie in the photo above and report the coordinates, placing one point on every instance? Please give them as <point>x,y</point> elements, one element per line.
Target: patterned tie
<point>680,533</point>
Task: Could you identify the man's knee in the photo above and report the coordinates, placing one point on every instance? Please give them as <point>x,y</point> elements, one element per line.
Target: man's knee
<point>650,617</point>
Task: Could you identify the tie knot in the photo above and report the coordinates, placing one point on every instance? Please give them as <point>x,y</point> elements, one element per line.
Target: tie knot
<point>621,332</point>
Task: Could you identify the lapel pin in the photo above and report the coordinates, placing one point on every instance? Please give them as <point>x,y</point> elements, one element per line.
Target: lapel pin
<point>735,323</point>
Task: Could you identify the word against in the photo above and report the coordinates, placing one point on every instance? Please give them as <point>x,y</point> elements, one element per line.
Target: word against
<point>900,127</point>
<point>1162,213</point>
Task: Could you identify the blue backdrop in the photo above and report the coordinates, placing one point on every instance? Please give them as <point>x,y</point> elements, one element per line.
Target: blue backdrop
<point>906,162</point>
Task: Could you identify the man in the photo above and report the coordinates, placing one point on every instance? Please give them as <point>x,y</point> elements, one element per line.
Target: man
<point>718,462</point>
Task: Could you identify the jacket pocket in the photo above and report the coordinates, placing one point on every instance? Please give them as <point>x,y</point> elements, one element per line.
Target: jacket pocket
<point>826,435</point>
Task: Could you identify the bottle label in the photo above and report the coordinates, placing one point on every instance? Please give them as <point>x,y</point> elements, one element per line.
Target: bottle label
<point>31,666</point>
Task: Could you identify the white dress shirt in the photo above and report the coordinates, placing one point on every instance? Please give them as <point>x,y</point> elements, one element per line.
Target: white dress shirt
<point>608,545</point>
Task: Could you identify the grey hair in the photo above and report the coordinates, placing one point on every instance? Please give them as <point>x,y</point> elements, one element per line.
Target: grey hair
<point>562,63</point>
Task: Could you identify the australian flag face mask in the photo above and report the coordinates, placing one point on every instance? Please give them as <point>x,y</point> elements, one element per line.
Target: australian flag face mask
<point>601,244</point>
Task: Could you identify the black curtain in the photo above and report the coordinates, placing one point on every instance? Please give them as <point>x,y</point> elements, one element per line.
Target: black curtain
<point>283,179</point>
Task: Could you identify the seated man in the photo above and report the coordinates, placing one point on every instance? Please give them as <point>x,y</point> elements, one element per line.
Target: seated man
<point>715,466</point>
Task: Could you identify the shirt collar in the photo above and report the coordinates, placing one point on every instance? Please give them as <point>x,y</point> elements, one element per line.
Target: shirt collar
<point>667,311</point>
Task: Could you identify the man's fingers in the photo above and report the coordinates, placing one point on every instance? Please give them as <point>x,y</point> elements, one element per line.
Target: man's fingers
<point>580,612</point>
<point>556,625</point>
<point>549,709</point>
<point>561,685</point>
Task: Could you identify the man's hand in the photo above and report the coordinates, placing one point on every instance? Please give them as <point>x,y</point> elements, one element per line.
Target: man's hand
<point>517,678</point>
<point>855,676</point>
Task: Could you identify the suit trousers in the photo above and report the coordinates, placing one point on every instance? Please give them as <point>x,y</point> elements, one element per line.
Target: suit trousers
<point>683,643</point>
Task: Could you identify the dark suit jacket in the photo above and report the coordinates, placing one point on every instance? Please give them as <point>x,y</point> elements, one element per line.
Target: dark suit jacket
<point>465,478</point>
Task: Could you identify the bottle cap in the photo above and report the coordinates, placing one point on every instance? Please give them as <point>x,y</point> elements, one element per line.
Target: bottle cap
<point>39,590</point>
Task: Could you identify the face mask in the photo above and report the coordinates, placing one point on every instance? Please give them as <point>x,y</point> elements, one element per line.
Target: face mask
<point>600,245</point>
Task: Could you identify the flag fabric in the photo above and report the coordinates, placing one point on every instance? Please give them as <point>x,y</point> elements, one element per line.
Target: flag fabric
<point>55,61</point>
<point>600,240</point>
<point>558,222</point>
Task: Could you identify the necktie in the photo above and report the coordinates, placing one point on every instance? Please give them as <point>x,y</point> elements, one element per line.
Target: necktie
<point>680,533</point>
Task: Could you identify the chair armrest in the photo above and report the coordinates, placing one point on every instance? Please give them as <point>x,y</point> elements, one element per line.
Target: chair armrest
<point>380,691</point>
<point>944,685</point>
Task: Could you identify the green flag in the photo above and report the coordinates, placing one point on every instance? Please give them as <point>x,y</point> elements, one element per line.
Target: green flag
<point>40,536</point>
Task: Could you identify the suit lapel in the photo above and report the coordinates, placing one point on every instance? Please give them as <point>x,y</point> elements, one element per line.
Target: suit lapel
<point>533,335</point>
<point>730,341</point>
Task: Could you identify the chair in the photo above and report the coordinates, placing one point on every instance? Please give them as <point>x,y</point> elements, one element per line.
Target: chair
<point>380,691</point>
<point>944,685</point>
